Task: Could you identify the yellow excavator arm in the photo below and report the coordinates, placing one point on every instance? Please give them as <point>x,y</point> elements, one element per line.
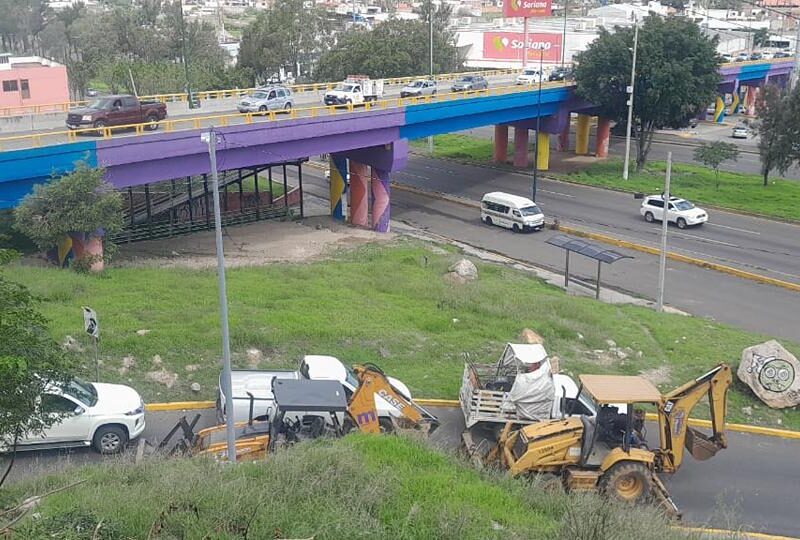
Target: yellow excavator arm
<point>373,382</point>
<point>673,419</point>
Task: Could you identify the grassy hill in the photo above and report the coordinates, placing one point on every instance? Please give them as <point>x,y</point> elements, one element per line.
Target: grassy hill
<point>358,487</point>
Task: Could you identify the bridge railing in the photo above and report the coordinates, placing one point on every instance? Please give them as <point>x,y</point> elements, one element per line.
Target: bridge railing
<point>18,142</point>
<point>210,95</point>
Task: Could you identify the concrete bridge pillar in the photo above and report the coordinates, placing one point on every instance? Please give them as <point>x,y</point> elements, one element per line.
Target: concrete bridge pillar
<point>719,110</point>
<point>563,138</point>
<point>582,135</point>
<point>603,136</point>
<point>751,96</point>
<point>520,146</point>
<point>381,200</point>
<point>543,157</point>
<point>359,194</point>
<point>500,143</point>
<point>338,186</point>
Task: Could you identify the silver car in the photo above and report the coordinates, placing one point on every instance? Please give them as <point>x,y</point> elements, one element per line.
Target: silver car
<point>270,98</point>
<point>421,87</point>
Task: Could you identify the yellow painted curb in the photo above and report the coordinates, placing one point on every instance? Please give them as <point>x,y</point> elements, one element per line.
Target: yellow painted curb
<point>439,402</point>
<point>682,258</point>
<point>741,428</point>
<point>735,534</point>
<point>180,406</point>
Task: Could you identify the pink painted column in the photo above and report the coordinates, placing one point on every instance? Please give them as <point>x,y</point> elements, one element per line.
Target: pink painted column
<point>563,139</point>
<point>381,200</point>
<point>520,147</point>
<point>500,144</point>
<point>359,199</point>
<point>603,135</point>
<point>750,100</point>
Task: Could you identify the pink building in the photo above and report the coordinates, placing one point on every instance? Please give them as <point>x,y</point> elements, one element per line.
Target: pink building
<point>31,80</point>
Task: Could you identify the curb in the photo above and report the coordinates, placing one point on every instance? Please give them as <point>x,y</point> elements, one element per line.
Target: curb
<point>725,533</point>
<point>625,244</point>
<point>454,404</point>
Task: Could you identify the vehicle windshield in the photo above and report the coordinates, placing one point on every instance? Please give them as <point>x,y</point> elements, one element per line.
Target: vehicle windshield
<point>587,400</point>
<point>416,84</point>
<point>683,205</point>
<point>100,104</point>
<point>259,95</point>
<point>466,79</point>
<point>530,72</point>
<point>83,391</point>
<point>344,87</point>
<point>530,211</point>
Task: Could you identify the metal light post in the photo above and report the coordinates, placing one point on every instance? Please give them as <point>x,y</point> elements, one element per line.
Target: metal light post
<point>538,128</point>
<point>795,74</point>
<point>630,103</point>
<point>211,139</point>
<point>662,263</point>
<point>564,38</point>
<point>430,20</point>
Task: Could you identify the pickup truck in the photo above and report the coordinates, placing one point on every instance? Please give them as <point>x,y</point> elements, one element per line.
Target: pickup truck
<point>356,89</point>
<point>117,110</point>
<point>258,383</point>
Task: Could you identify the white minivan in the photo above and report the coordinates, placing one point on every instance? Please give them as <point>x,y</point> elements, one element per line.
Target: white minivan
<point>511,211</point>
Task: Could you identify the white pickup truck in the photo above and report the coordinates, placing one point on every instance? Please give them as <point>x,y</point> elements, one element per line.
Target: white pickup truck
<point>356,89</point>
<point>258,383</point>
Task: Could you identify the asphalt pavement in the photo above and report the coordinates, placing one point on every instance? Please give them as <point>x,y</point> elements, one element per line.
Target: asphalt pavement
<point>750,485</point>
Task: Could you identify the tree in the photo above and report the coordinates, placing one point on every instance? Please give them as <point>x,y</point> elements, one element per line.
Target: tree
<point>29,361</point>
<point>289,35</point>
<point>81,201</point>
<point>676,75</point>
<point>775,128</point>
<point>761,37</point>
<point>714,154</point>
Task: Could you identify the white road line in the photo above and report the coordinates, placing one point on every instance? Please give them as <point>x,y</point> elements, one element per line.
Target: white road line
<point>702,239</point>
<point>557,193</point>
<point>732,228</point>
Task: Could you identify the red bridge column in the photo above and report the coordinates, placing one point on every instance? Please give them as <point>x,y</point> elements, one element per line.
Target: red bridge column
<point>563,139</point>
<point>500,144</point>
<point>603,135</point>
<point>359,193</point>
<point>520,147</point>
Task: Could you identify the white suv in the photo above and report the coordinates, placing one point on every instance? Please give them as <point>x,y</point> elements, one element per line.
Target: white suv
<point>105,416</point>
<point>681,212</point>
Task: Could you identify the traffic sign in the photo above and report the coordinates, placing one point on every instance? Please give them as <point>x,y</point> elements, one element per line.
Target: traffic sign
<point>90,323</point>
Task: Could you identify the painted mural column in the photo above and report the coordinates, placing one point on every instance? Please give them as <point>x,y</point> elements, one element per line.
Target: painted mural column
<point>78,245</point>
<point>719,110</point>
<point>500,143</point>
<point>520,146</point>
<point>381,200</point>
<point>603,136</point>
<point>735,98</point>
<point>338,185</point>
<point>582,135</point>
<point>751,96</point>
<point>563,138</point>
<point>359,195</point>
<point>543,157</point>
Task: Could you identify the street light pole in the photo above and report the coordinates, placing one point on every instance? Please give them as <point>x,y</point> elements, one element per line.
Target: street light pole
<point>630,103</point>
<point>211,138</point>
<point>564,37</point>
<point>794,76</point>
<point>538,127</point>
<point>662,263</point>
<point>430,21</point>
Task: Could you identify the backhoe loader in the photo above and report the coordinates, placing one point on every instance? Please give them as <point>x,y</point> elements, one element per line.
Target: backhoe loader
<point>308,409</point>
<point>609,452</point>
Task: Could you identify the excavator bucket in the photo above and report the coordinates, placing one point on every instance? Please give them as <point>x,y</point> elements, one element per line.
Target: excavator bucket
<point>701,446</point>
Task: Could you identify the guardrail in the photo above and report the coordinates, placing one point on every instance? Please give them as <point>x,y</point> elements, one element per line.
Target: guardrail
<point>208,95</point>
<point>222,120</point>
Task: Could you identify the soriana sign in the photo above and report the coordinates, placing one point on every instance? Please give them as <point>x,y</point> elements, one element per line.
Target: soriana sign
<point>510,45</point>
<point>527,8</point>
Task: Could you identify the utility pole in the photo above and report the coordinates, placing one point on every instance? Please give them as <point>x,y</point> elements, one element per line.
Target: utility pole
<point>184,57</point>
<point>211,138</point>
<point>430,21</point>
<point>525,42</point>
<point>796,70</point>
<point>662,263</point>
<point>538,128</point>
<point>564,38</point>
<point>630,103</point>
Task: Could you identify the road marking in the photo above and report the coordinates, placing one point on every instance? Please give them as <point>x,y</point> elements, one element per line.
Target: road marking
<point>732,228</point>
<point>704,239</point>
<point>557,193</point>
<point>704,531</point>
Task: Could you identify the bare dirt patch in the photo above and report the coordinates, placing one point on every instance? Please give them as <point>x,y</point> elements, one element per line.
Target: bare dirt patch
<point>658,376</point>
<point>251,245</point>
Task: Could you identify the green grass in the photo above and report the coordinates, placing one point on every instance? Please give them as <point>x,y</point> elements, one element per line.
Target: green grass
<point>249,185</point>
<point>356,487</point>
<point>737,191</point>
<point>382,304</point>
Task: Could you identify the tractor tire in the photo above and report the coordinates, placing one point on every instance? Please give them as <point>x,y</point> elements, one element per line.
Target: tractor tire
<point>627,481</point>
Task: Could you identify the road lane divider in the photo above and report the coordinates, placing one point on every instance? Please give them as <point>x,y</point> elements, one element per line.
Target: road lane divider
<point>618,242</point>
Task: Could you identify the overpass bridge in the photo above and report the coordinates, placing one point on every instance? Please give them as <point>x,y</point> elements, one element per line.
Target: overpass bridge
<point>367,143</point>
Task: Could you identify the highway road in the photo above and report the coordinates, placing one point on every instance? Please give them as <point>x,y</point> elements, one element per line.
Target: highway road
<point>750,485</point>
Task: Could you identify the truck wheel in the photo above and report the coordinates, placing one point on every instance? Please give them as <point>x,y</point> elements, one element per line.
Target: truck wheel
<point>100,124</point>
<point>152,122</point>
<point>627,481</point>
<point>110,439</point>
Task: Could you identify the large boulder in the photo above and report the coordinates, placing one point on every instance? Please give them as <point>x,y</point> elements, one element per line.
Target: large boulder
<point>465,268</point>
<point>529,336</point>
<point>772,372</point>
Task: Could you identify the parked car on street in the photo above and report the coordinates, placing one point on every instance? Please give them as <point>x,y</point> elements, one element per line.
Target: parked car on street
<point>529,76</point>
<point>421,87</point>
<point>739,132</point>
<point>269,98</point>
<point>117,110</point>
<point>681,212</point>
<point>562,74</point>
<point>104,416</point>
<point>469,82</point>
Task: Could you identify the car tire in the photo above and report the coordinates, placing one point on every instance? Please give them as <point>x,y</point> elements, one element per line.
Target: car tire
<point>488,221</point>
<point>287,107</point>
<point>515,228</point>
<point>152,123</point>
<point>110,439</point>
<point>433,93</point>
<point>681,223</point>
<point>648,217</point>
<point>99,124</point>
<point>262,109</point>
